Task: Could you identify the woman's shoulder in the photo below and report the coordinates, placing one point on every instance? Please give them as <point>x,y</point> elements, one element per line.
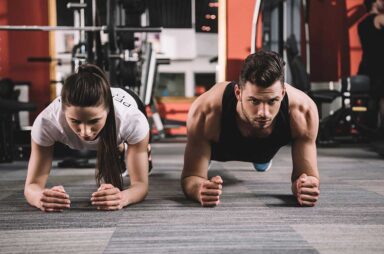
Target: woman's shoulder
<point>122,100</point>
<point>51,112</point>
<point>48,125</point>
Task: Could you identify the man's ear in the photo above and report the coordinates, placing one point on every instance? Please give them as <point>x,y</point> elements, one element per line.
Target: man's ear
<point>238,92</point>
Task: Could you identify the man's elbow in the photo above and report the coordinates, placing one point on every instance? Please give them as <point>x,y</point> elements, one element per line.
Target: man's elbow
<point>183,184</point>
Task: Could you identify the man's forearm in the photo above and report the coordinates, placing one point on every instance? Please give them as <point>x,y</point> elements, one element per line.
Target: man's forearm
<point>191,186</point>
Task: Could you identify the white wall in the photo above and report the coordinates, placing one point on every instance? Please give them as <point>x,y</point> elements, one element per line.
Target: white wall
<point>189,52</point>
<point>178,43</point>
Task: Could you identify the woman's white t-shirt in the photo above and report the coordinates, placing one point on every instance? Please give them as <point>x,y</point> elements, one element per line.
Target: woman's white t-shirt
<point>50,126</point>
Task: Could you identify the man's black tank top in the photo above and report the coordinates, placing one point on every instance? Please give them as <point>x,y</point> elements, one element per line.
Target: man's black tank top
<point>232,146</point>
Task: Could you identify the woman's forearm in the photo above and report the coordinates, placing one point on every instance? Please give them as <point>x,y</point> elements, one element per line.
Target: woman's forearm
<point>135,193</point>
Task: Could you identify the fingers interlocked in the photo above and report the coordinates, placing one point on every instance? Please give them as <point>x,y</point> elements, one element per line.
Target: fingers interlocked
<point>54,199</point>
<point>107,197</point>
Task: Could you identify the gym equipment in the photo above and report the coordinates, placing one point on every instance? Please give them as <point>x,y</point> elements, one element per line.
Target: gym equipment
<point>9,107</point>
<point>349,121</point>
<point>266,8</point>
<point>120,57</point>
<point>148,80</point>
<point>300,77</point>
<point>255,19</point>
<point>120,32</point>
<point>104,29</point>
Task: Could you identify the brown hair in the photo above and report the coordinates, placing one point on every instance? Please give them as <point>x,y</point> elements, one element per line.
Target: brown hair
<point>86,88</point>
<point>263,69</point>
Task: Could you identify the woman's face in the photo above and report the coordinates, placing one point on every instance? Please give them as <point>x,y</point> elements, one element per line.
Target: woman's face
<point>86,122</point>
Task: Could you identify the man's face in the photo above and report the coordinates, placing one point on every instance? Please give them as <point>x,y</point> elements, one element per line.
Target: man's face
<point>259,106</point>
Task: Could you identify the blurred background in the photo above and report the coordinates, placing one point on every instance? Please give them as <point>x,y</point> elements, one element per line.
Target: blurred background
<point>171,51</point>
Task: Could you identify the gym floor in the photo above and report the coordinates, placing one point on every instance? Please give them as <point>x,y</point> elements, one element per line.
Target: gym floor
<point>257,213</point>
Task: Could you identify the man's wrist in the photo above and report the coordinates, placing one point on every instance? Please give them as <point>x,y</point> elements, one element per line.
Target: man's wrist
<point>191,186</point>
<point>294,187</point>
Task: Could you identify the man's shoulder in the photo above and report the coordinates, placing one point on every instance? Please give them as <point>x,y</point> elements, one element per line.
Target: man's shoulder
<point>205,113</point>
<point>210,101</point>
<point>298,98</point>
<point>303,112</point>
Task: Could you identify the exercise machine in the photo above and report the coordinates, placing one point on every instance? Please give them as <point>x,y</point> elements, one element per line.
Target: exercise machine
<point>9,124</point>
<point>349,122</point>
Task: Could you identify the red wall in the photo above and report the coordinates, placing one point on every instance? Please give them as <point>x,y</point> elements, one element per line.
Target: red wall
<point>239,29</point>
<point>17,46</point>
<point>335,48</point>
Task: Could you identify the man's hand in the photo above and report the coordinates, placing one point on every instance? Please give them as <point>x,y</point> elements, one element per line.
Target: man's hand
<point>54,199</point>
<point>210,191</point>
<point>306,190</point>
<point>108,198</point>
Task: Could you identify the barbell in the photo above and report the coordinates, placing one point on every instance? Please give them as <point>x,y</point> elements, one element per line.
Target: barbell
<point>105,29</point>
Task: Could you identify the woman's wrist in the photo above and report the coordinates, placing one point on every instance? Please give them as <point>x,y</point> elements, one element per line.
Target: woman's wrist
<point>33,197</point>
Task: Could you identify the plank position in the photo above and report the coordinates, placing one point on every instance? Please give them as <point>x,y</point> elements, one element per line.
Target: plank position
<point>250,121</point>
<point>91,115</point>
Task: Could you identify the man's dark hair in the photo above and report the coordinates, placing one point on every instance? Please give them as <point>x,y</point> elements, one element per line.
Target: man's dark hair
<point>263,69</point>
<point>368,4</point>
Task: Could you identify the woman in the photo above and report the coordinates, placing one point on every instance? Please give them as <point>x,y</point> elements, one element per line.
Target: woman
<point>90,115</point>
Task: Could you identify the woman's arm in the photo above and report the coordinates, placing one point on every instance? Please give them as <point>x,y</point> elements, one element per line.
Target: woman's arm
<point>137,159</point>
<point>39,167</point>
<point>108,197</point>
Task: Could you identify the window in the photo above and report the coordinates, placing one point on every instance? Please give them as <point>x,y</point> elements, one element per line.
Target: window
<point>170,84</point>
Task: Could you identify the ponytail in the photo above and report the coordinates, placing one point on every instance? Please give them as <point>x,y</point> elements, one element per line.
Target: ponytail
<point>89,87</point>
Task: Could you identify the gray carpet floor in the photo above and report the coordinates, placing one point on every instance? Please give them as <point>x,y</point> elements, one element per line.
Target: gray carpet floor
<point>257,214</point>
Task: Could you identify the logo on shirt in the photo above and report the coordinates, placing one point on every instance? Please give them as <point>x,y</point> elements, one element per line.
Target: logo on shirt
<point>120,98</point>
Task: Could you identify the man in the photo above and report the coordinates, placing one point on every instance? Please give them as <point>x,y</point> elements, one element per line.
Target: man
<point>371,34</point>
<point>250,121</point>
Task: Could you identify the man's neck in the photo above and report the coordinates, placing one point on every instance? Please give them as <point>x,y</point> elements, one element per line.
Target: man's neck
<point>248,131</point>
